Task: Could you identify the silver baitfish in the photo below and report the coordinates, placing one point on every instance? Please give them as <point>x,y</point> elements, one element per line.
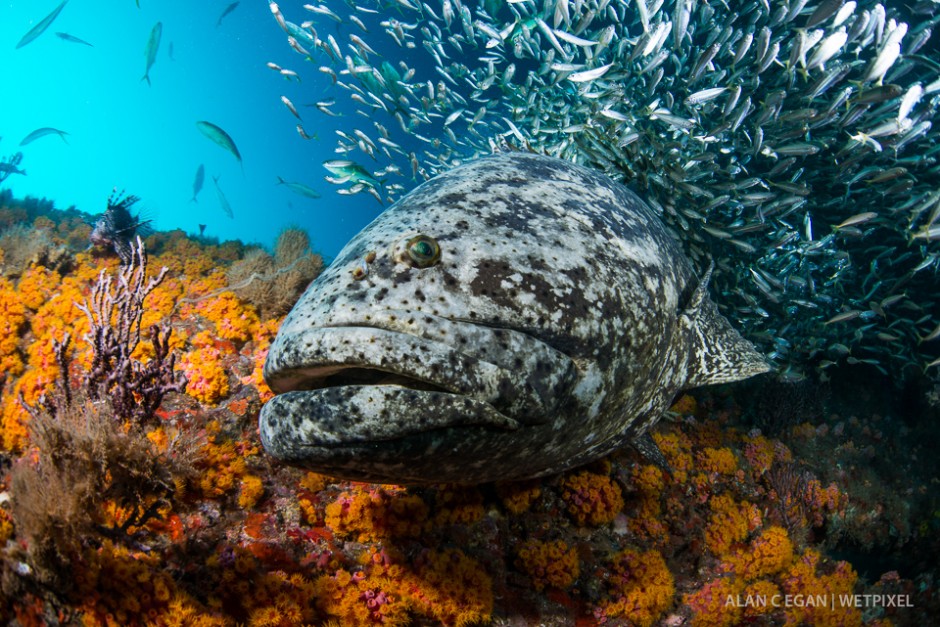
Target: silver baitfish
<point>688,102</point>
<point>153,46</point>
<point>519,315</point>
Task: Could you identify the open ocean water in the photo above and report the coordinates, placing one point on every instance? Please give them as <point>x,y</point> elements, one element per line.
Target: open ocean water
<point>126,133</point>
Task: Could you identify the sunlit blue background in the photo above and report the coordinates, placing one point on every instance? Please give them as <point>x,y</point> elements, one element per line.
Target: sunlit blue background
<point>126,134</point>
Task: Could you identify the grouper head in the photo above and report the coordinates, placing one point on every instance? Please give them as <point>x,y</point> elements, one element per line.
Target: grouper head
<point>513,317</point>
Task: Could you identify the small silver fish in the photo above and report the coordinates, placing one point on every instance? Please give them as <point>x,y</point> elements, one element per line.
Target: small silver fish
<point>589,75</point>
<point>859,218</point>
<point>72,39</point>
<point>932,335</point>
<point>300,189</point>
<point>223,201</point>
<point>825,10</point>
<point>220,137</point>
<point>226,12</point>
<point>41,26</point>
<point>704,95</point>
<point>153,46</point>
<point>910,99</point>
<point>290,107</point>
<point>829,47</point>
<point>845,316</point>
<point>198,181</point>
<point>43,132</point>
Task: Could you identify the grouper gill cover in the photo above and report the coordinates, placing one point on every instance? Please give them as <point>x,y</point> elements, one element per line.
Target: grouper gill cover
<point>513,317</point>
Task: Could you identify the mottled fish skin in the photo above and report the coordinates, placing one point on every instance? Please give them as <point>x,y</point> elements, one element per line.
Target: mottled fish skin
<point>558,324</point>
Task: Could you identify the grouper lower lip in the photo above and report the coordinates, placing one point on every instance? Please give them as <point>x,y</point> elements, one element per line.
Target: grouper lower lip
<point>337,365</point>
<point>354,415</point>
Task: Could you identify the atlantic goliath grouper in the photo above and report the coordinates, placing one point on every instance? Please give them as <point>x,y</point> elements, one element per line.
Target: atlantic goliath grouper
<point>513,317</point>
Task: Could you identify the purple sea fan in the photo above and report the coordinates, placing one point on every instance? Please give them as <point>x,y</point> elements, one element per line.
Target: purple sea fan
<point>134,389</point>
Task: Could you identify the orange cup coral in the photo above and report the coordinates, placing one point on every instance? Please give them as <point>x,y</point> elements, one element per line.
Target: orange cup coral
<point>207,380</point>
<point>767,554</point>
<point>592,499</point>
<point>641,587</point>
<point>552,564</point>
<point>729,523</point>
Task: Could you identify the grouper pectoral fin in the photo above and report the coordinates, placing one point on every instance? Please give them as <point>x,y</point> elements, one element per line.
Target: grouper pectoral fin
<point>716,352</point>
<point>650,451</point>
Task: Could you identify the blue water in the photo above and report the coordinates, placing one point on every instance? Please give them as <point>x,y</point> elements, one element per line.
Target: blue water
<point>126,134</point>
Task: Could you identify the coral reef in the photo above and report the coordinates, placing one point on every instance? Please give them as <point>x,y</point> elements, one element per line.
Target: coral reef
<point>24,246</point>
<point>86,478</point>
<point>12,321</point>
<point>640,586</point>
<point>133,389</point>
<point>207,380</point>
<point>549,563</point>
<point>146,508</point>
<point>592,498</point>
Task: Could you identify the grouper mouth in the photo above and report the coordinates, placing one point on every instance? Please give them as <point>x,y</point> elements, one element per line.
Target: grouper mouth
<point>398,376</point>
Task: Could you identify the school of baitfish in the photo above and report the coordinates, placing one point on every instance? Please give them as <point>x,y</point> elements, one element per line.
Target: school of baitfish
<point>793,142</point>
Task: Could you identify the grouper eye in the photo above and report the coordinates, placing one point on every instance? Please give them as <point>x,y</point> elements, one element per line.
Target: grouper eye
<point>423,251</point>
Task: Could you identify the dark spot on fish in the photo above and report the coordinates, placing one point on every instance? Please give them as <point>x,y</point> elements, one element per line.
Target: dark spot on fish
<point>401,277</point>
<point>453,198</point>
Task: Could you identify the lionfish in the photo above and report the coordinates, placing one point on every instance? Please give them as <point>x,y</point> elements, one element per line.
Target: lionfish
<point>117,226</point>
